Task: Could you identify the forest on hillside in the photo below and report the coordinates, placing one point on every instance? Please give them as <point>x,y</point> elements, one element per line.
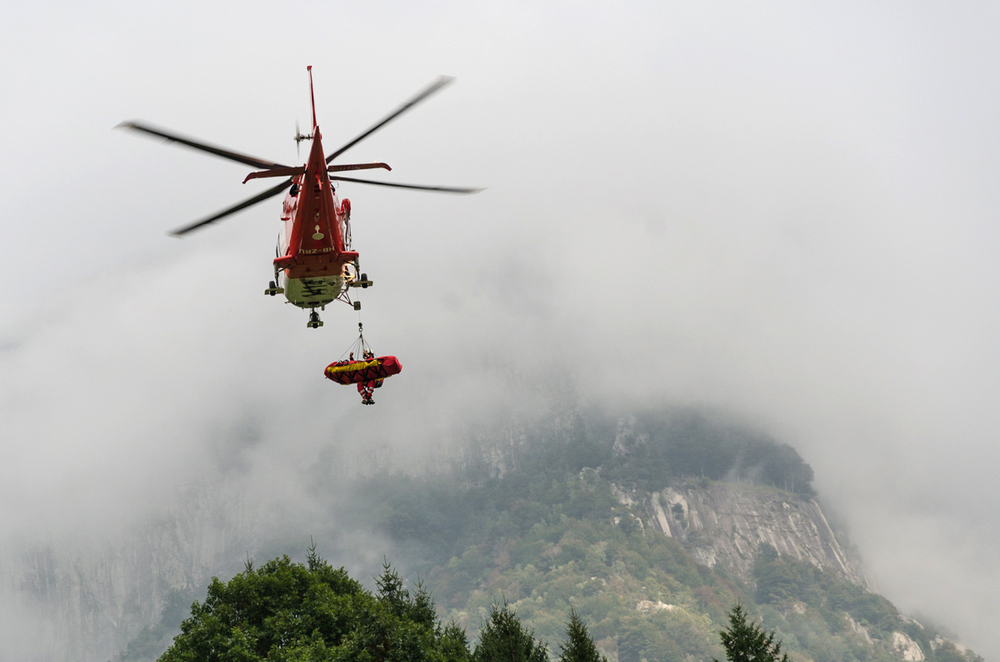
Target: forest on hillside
<point>529,516</point>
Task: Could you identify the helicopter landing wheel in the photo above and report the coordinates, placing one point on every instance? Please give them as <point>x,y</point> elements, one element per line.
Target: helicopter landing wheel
<point>273,289</point>
<point>364,281</point>
<point>314,321</point>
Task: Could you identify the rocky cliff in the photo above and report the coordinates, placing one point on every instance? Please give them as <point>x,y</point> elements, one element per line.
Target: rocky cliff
<point>748,492</point>
<point>727,524</point>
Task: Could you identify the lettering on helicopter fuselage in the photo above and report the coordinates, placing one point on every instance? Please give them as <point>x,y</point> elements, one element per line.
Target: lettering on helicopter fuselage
<point>314,251</point>
<point>312,291</point>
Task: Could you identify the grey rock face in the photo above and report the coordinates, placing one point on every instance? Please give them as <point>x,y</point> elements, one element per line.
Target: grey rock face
<point>727,523</point>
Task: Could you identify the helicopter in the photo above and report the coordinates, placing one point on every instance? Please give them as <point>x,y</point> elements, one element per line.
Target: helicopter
<point>314,263</point>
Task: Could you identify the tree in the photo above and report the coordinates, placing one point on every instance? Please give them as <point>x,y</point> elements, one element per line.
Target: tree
<point>289,612</point>
<point>746,642</point>
<point>504,639</point>
<point>454,643</point>
<point>579,646</point>
<point>776,578</point>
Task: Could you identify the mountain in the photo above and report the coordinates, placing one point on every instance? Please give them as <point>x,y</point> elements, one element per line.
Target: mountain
<point>650,525</point>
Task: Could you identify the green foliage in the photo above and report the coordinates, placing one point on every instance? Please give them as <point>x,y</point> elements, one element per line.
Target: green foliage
<point>595,570</point>
<point>289,612</point>
<point>781,580</point>
<point>504,639</point>
<point>747,642</point>
<point>579,646</point>
<point>455,643</point>
<point>947,652</point>
<point>811,607</point>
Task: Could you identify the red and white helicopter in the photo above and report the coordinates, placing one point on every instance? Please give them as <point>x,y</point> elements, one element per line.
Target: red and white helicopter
<point>315,263</point>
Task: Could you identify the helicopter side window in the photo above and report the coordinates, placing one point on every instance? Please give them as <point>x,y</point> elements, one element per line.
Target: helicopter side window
<point>294,192</point>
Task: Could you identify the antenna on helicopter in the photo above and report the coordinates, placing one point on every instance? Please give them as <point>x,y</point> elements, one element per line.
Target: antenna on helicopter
<point>312,97</point>
<point>299,136</point>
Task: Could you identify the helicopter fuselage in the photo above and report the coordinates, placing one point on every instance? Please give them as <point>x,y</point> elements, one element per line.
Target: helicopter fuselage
<point>314,265</point>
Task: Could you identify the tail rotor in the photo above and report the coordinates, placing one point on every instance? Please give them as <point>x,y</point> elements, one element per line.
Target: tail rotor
<point>299,137</point>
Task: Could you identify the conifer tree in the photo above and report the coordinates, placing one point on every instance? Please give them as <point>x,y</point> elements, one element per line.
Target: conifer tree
<point>504,639</point>
<point>579,646</point>
<point>746,642</point>
<point>455,643</point>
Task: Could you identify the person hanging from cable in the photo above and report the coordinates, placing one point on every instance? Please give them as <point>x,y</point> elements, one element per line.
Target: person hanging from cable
<point>366,389</point>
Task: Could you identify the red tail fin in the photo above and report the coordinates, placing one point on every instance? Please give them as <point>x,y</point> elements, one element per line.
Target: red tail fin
<point>312,97</point>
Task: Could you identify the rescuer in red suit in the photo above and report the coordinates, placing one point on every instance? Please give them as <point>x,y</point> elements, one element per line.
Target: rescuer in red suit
<point>367,389</point>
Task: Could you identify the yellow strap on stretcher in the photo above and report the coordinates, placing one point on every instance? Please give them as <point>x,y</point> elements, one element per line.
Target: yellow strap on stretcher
<point>351,367</point>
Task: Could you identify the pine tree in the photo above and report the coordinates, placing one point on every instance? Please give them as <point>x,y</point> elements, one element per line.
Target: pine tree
<point>504,639</point>
<point>746,642</point>
<point>454,643</point>
<point>579,646</point>
<point>390,588</point>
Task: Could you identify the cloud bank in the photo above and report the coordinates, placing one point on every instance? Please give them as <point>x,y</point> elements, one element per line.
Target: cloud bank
<point>783,211</point>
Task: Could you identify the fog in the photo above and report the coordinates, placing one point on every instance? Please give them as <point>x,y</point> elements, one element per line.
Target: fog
<point>783,211</point>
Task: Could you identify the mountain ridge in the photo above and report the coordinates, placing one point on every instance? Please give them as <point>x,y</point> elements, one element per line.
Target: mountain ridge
<point>570,509</point>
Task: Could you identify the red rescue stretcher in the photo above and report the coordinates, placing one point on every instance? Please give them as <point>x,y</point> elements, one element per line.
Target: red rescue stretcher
<point>367,373</point>
<point>365,370</point>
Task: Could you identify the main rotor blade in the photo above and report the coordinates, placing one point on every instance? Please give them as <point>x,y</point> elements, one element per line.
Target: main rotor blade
<point>285,172</point>
<point>358,166</point>
<point>260,197</point>
<point>429,90</point>
<point>443,189</point>
<point>275,172</point>
<point>211,149</point>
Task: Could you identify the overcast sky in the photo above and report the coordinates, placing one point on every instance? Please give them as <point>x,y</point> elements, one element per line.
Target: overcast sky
<point>782,209</point>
